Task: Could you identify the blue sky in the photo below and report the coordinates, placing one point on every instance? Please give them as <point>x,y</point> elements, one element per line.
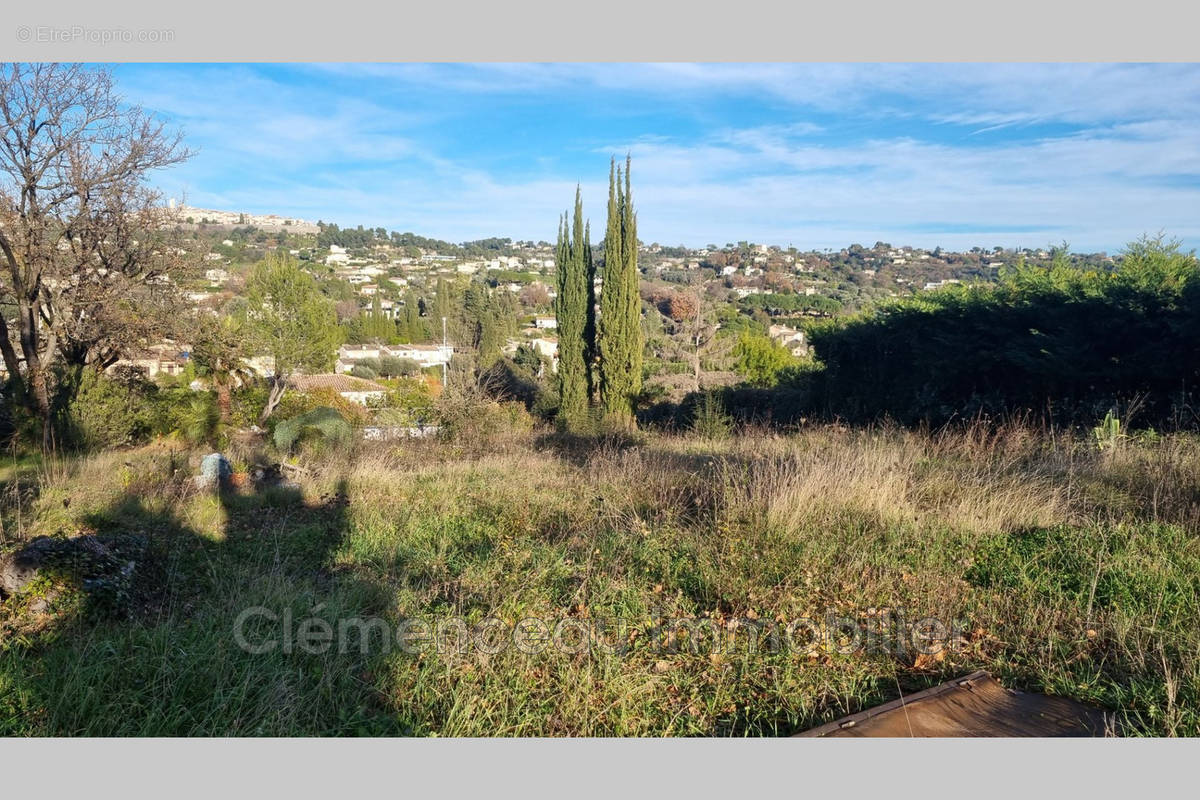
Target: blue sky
<point>816,156</point>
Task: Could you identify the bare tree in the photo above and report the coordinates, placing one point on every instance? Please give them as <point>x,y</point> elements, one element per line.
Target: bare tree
<point>689,325</point>
<point>86,244</point>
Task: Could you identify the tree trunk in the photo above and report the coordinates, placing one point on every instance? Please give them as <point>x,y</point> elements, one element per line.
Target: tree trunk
<point>224,402</point>
<point>278,386</point>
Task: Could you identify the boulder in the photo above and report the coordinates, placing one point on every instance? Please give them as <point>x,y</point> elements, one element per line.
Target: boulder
<point>215,472</point>
<point>19,569</point>
<point>104,569</point>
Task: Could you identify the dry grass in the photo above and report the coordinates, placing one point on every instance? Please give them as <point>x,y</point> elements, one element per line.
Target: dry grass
<point>1059,567</point>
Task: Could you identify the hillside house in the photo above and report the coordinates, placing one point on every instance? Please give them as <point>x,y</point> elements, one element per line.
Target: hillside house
<point>165,358</point>
<point>356,390</point>
<point>427,355</point>
<point>794,340</point>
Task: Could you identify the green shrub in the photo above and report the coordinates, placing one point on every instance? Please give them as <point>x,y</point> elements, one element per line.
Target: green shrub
<point>363,371</point>
<point>709,420</point>
<point>246,403</point>
<point>393,367</point>
<point>412,400</point>
<point>760,360</point>
<point>323,422</point>
<point>1059,341</point>
<point>110,411</point>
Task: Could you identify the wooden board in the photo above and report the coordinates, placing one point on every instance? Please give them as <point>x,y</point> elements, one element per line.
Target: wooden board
<point>973,706</point>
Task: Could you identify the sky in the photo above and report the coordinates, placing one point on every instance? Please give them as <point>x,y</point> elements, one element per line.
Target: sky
<point>804,155</point>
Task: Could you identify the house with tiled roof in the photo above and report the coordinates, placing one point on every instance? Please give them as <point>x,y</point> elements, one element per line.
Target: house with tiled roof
<point>356,390</point>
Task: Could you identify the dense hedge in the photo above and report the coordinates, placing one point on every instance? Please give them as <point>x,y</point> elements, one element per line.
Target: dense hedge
<point>1059,342</point>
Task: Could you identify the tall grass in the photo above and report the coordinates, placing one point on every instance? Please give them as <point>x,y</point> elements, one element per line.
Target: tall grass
<point>1059,567</point>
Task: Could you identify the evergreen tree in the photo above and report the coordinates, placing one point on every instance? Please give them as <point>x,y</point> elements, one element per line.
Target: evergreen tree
<point>620,335</point>
<point>412,328</point>
<point>442,302</point>
<point>589,326</point>
<point>377,325</point>
<point>574,348</point>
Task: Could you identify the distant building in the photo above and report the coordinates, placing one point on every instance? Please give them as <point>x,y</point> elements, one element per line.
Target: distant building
<point>545,323</point>
<point>262,366</point>
<point>544,345</point>
<point>356,390</point>
<point>792,339</point>
<point>165,358</point>
<point>427,355</point>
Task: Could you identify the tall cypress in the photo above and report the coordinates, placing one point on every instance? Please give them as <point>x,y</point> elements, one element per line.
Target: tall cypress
<point>571,313</point>
<point>414,328</point>
<point>633,308</point>
<point>589,326</point>
<point>620,335</point>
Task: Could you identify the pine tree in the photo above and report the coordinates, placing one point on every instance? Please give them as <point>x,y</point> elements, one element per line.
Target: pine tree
<point>574,348</point>
<point>620,335</point>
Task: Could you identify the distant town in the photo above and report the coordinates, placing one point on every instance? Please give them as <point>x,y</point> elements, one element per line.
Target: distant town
<point>374,273</point>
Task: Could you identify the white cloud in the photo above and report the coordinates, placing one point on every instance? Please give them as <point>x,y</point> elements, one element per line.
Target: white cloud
<point>1125,159</point>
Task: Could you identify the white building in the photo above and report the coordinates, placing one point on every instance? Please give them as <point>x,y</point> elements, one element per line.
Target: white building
<point>790,338</point>
<point>427,355</point>
<point>545,323</point>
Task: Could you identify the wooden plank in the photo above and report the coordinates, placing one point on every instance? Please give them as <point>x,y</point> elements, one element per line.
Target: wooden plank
<point>972,706</point>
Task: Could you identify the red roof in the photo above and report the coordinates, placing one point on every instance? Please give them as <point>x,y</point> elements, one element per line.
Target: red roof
<point>339,383</point>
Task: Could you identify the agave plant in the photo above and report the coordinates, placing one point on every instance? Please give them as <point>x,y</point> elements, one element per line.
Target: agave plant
<point>1108,432</point>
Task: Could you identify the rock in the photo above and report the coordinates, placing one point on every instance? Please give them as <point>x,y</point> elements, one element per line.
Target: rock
<point>215,472</point>
<point>19,569</point>
<point>103,569</point>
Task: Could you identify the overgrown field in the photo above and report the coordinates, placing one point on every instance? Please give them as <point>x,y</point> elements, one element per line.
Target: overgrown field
<point>1058,565</point>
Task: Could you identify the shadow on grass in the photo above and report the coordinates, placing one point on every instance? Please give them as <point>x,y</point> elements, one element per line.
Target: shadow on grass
<point>159,655</point>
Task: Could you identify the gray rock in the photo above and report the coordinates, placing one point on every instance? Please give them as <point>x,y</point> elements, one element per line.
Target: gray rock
<point>215,472</point>
<point>104,569</point>
<point>19,569</point>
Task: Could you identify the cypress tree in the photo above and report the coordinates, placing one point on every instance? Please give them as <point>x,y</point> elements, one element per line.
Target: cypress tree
<point>570,309</point>
<point>378,325</point>
<point>414,328</point>
<point>589,326</point>
<point>633,309</point>
<point>620,335</point>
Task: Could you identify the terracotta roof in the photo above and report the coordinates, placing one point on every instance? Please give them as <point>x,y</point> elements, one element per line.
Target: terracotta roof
<point>339,383</point>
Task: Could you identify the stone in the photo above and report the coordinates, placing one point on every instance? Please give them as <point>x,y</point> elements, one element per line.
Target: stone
<point>215,472</point>
<point>103,569</point>
<point>19,569</point>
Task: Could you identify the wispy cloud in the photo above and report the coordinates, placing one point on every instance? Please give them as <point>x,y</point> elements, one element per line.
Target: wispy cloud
<point>816,155</point>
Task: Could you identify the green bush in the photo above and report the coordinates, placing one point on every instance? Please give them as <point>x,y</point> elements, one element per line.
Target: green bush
<point>110,411</point>
<point>246,404</point>
<point>709,420</point>
<point>323,422</point>
<point>1059,341</point>
<point>393,367</point>
<point>760,360</point>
